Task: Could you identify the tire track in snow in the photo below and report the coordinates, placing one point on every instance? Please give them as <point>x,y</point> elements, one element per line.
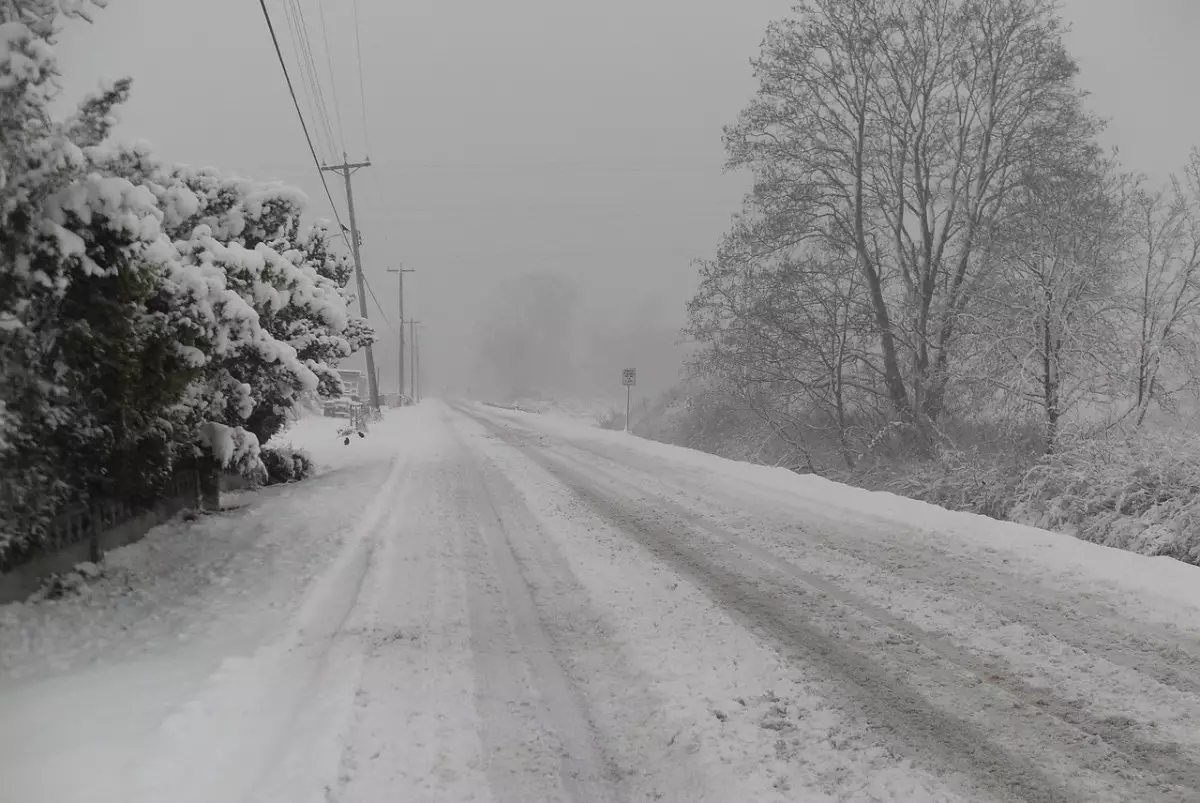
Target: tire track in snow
<point>1148,703</point>
<point>711,713</point>
<point>1088,623</point>
<point>415,731</point>
<point>327,651</point>
<point>967,746</point>
<point>1155,757</point>
<point>275,710</point>
<point>541,746</point>
<point>637,728</point>
<point>1110,745</point>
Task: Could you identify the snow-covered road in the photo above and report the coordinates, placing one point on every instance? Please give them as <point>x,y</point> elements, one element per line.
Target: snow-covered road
<point>487,605</point>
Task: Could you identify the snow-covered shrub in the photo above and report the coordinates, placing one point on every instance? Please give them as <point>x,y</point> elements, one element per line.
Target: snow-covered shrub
<point>69,583</point>
<point>292,279</point>
<point>699,417</point>
<point>611,419</point>
<point>1140,492</point>
<point>89,371</point>
<point>147,314</point>
<point>962,479</point>
<point>286,465</point>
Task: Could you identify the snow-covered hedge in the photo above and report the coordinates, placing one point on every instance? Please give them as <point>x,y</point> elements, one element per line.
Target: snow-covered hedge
<point>1137,490</point>
<point>1138,493</point>
<point>984,482</point>
<point>148,313</point>
<point>286,465</point>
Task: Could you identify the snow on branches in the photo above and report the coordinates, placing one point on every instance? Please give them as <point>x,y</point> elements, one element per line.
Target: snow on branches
<point>148,313</point>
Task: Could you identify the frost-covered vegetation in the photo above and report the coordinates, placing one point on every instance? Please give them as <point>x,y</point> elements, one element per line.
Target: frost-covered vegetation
<point>150,314</point>
<point>1134,488</point>
<point>942,285</point>
<point>286,465</point>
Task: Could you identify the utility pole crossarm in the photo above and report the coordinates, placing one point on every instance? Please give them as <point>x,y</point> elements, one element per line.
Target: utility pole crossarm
<point>345,166</point>
<point>412,370</point>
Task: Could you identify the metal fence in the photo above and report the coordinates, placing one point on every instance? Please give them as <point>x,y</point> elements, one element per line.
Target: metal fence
<point>88,523</point>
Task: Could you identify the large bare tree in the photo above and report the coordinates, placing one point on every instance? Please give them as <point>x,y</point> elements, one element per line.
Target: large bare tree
<point>890,133</point>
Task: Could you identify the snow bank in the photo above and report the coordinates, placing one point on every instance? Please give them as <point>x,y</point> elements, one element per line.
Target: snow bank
<point>149,592</point>
<point>1160,583</point>
<point>318,436</point>
<point>585,410</point>
<point>268,726</point>
<point>157,679</point>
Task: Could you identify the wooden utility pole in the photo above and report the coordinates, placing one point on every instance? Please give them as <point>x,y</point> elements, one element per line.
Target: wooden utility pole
<point>400,271</point>
<point>412,370</point>
<point>345,170</point>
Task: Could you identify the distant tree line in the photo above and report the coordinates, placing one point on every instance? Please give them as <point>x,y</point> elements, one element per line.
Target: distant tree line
<point>547,334</point>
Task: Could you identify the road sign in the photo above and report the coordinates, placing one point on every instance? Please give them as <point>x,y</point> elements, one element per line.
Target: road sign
<point>628,379</point>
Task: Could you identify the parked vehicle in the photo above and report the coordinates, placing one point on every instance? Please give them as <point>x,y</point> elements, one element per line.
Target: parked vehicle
<point>339,408</point>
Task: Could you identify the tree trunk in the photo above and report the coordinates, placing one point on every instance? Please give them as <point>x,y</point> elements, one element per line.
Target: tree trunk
<point>893,379</point>
<point>939,375</point>
<point>1050,381</point>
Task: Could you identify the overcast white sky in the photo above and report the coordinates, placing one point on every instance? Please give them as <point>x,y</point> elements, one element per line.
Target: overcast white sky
<point>538,134</point>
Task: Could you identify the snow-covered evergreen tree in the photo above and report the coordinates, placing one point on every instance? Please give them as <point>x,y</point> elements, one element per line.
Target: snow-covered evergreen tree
<point>290,275</point>
<point>89,371</point>
<point>147,314</point>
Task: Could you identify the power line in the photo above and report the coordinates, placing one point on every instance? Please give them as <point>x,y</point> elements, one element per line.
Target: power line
<point>381,201</point>
<point>332,83</point>
<point>362,95</point>
<point>297,50</point>
<point>608,165</point>
<point>377,305</point>
<point>289,14</point>
<point>309,64</point>
<point>647,253</point>
<point>303,125</point>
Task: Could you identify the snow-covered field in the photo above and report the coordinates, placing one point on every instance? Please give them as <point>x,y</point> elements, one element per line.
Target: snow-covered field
<point>487,605</point>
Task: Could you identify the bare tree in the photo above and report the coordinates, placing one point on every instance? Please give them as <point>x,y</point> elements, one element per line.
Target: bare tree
<point>793,336</point>
<point>1055,314</point>
<point>1164,286</point>
<point>890,132</point>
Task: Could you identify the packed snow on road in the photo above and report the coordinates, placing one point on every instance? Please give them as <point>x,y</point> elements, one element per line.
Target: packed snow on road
<point>488,605</point>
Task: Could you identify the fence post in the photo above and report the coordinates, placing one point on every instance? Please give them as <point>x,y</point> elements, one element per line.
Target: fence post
<point>210,483</point>
<point>194,473</point>
<point>96,523</point>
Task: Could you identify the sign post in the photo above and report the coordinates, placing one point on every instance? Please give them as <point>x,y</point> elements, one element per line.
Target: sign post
<point>628,379</point>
